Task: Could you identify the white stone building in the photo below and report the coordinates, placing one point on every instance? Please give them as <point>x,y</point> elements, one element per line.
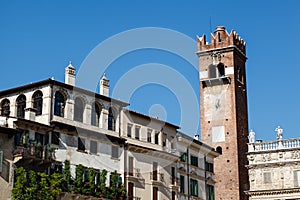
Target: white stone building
<point>274,168</point>
<point>55,121</point>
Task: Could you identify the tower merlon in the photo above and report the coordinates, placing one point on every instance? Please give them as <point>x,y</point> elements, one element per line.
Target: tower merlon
<point>221,39</point>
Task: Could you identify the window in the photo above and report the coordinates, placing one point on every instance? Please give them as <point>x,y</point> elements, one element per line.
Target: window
<point>209,167</point>
<point>114,152</point>
<point>154,171</point>
<point>149,135</point>
<point>173,175</point>
<point>267,177</point>
<point>96,111</point>
<point>38,102</point>
<point>210,192</point>
<point>55,138</point>
<point>130,190</point>
<point>111,120</point>
<point>98,172</point>
<point>173,195</point>
<point>137,132</point>
<point>5,107</point>
<point>219,150</point>
<point>183,157</point>
<point>156,137</point>
<point>297,178</point>
<point>182,184</point>
<point>21,105</point>
<point>129,128</point>
<point>81,144</point>
<point>194,161</point>
<point>130,166</point>
<point>78,110</point>
<point>164,140</point>
<point>194,187</point>
<point>172,143</point>
<point>93,147</point>
<point>39,138</point>
<point>155,193</point>
<point>22,137</point>
<point>59,104</point>
<point>216,71</point>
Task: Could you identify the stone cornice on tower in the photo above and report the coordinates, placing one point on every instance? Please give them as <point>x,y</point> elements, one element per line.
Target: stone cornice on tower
<point>221,39</point>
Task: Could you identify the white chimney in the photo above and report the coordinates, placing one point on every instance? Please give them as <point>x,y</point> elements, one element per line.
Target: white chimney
<point>70,74</point>
<point>104,86</point>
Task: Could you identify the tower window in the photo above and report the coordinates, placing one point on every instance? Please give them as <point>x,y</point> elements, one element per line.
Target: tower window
<point>219,150</point>
<point>21,105</point>
<point>38,102</point>
<point>216,71</point>
<point>59,104</point>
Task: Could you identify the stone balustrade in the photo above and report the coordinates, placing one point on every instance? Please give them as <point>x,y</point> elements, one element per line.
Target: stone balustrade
<point>274,145</point>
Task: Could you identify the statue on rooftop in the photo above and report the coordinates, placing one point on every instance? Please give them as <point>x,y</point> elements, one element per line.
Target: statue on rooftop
<point>251,136</point>
<point>279,133</point>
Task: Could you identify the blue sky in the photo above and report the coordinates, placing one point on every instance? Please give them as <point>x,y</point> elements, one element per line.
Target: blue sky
<point>38,38</point>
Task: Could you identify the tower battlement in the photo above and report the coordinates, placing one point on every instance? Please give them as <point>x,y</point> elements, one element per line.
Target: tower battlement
<point>221,39</point>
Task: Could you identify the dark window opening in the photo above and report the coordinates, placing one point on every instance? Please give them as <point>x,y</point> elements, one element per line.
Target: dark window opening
<point>21,105</point>
<point>183,157</point>
<point>210,192</point>
<point>156,137</point>
<point>81,144</point>
<point>78,110</point>
<point>194,187</point>
<point>59,104</point>
<point>194,161</point>
<point>212,71</point>
<point>55,138</point>
<point>221,70</point>
<point>155,193</point>
<point>149,135</point>
<point>209,167</point>
<point>38,102</point>
<point>96,112</point>
<point>181,184</point>
<point>129,129</point>
<point>5,107</point>
<point>137,132</point>
<point>219,150</point>
<point>111,120</point>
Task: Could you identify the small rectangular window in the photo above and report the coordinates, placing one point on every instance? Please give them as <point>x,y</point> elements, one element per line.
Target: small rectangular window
<point>194,187</point>
<point>129,128</point>
<point>194,161</point>
<point>93,147</point>
<point>183,157</point>
<point>149,135</point>
<point>81,144</point>
<point>267,177</point>
<point>55,138</point>
<point>209,167</point>
<point>114,151</point>
<point>137,132</point>
<point>181,184</point>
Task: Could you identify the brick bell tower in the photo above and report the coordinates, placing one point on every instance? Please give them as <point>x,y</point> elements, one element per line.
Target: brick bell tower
<point>223,109</point>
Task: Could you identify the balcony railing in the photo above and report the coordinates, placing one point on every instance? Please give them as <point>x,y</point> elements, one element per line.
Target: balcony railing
<point>155,176</point>
<point>135,172</point>
<point>273,145</point>
<point>40,152</point>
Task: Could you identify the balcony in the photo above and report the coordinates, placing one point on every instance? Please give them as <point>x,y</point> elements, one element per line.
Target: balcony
<point>157,178</point>
<point>33,154</point>
<point>135,175</point>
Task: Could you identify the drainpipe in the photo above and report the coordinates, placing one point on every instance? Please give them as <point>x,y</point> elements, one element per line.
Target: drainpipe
<point>51,106</point>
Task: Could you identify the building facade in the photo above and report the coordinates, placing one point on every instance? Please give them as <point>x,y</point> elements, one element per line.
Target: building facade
<point>49,122</point>
<point>274,170</point>
<point>223,109</point>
